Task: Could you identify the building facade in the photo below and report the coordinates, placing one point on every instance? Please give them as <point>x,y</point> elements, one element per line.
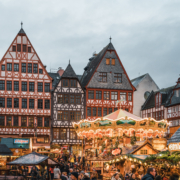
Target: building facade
<point>105,81</point>
<point>67,107</point>
<point>25,98</point>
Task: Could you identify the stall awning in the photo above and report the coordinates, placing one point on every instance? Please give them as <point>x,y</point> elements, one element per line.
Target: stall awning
<point>5,151</point>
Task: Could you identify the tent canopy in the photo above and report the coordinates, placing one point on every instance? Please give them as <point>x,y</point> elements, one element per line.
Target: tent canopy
<point>32,159</point>
<point>5,151</point>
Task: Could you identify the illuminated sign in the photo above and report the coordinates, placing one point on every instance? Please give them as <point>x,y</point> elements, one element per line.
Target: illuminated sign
<point>21,141</point>
<point>159,143</point>
<point>174,147</point>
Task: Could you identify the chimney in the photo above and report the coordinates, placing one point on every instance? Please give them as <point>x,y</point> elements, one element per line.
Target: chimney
<point>60,71</point>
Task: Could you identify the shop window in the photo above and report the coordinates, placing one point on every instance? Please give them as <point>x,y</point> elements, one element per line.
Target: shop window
<point>15,123</point>
<point>47,87</point>
<point>23,68</point>
<point>19,47</point>
<point>65,83</point>
<point>2,102</point>
<point>104,111</point>
<point>72,99</point>
<point>90,94</point>
<point>9,85</point>
<point>55,133</point>
<point>123,96</point>
<point>73,134</point>
<point>88,111</point>
<point>117,77</point>
<point>99,111</point>
<point>39,121</point>
<point>40,103</point>
<point>29,67</point>
<point>78,99</point>
<point>113,62</point>
<point>31,122</point>
<point>63,134</point>
<point>107,61</point>
<point>42,140</point>
<point>29,49</point>
<point>16,85</point>
<point>106,95</point>
<point>8,121</point>
<point>73,83</point>
<point>103,77</point>
<point>2,121</point>
<point>23,121</point>
<point>9,66</point>
<point>114,95</point>
<point>40,87</point>
<point>46,122</point>
<point>94,111</point>
<point>60,99</point>
<point>47,104</point>
<point>129,96</point>
<point>31,103</point>
<point>2,67</point>
<point>40,71</point>
<point>9,102</point>
<point>16,67</point>
<point>98,94</point>
<point>24,103</point>
<point>31,86</point>
<point>35,68</point>
<point>24,48</point>
<point>2,85</point>
<point>14,48</point>
<point>16,103</point>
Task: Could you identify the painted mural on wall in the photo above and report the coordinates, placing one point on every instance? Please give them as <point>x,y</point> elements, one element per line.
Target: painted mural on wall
<point>121,122</point>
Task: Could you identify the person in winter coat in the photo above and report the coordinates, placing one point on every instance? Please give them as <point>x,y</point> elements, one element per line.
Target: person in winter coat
<point>116,177</point>
<point>151,173</point>
<point>57,173</point>
<point>132,177</point>
<point>74,176</point>
<point>86,177</point>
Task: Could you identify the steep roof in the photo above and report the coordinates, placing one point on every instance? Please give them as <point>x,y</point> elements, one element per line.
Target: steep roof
<point>137,80</point>
<point>175,137</point>
<point>21,31</point>
<point>93,64</point>
<point>4,150</point>
<point>69,72</point>
<point>55,77</point>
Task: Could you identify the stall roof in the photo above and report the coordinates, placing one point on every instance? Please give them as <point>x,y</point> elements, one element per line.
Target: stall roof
<point>4,150</point>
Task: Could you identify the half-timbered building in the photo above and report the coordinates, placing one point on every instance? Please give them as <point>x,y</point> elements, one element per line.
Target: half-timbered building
<point>67,107</point>
<point>105,81</point>
<point>25,98</point>
<point>164,104</point>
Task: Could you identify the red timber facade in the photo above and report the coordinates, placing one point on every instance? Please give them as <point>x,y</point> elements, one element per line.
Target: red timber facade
<point>105,82</point>
<point>25,98</point>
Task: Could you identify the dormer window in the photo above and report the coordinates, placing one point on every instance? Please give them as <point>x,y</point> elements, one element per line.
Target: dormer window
<point>113,62</point>
<point>65,83</point>
<point>177,93</point>
<point>108,61</point>
<point>73,83</point>
<point>158,100</point>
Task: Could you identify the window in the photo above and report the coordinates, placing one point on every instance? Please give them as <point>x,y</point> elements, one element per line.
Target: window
<point>66,99</point>
<point>55,133</point>
<point>73,134</point>
<point>104,111</point>
<point>106,95</point>
<point>24,103</point>
<point>31,86</point>
<point>123,96</point>
<point>90,94</point>
<point>110,110</point>
<point>35,68</point>
<point>9,102</point>
<point>2,121</point>
<point>99,111</point>
<point>47,104</point>
<point>60,98</point>
<point>39,121</point>
<point>31,122</point>
<point>23,121</point>
<point>72,115</point>
<point>65,82</point>
<point>29,49</point>
<point>94,111</point>
<point>129,96</point>
<point>29,67</point>
<point>31,103</point>
<point>46,122</point>
<point>114,95</point>
<point>158,100</point>
<point>19,47</point>
<point>9,66</point>
<point>40,104</point>
<point>73,83</point>
<point>2,85</point>
<point>16,85</point>
<point>15,123</point>
<point>72,99</point>
<point>47,87</point>
<point>9,85</point>
<point>9,121</point>
<point>16,103</point>
<point>103,77</point>
<point>117,77</point>
<point>115,109</point>
<point>42,140</point>
<point>40,71</point>
<point>16,67</point>
<point>98,94</point>
<point>143,151</point>
<point>24,86</point>
<point>24,48</point>
<point>14,48</point>
<point>113,61</point>
<point>78,116</point>
<point>89,111</point>
<point>40,87</point>
<point>107,61</point>
<point>62,115</point>
<point>128,110</point>
<point>23,68</point>
<point>2,102</point>
<point>78,99</point>
<point>2,67</point>
<point>63,134</point>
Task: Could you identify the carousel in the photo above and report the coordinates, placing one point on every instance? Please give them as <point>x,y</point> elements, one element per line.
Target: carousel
<point>113,138</point>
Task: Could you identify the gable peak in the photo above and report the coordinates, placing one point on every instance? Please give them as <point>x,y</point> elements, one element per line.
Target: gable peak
<point>21,30</point>
<point>69,72</point>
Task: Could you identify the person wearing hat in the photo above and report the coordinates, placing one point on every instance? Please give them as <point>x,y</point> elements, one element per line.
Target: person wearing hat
<point>74,176</point>
<point>86,176</point>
